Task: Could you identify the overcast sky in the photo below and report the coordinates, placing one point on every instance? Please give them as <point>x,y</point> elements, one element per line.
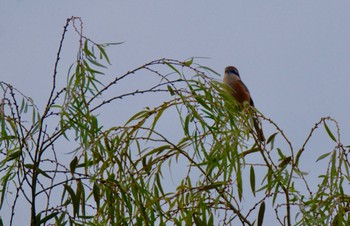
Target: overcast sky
<point>293,55</point>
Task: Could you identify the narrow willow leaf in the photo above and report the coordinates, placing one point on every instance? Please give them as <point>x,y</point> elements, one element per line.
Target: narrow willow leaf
<point>81,196</point>
<point>14,155</point>
<point>38,218</point>
<point>211,220</point>
<point>38,170</point>
<point>73,164</point>
<point>271,139</point>
<point>139,115</point>
<point>186,124</point>
<point>90,69</point>
<point>43,173</point>
<point>156,118</point>
<point>158,150</point>
<point>334,165</point>
<point>112,43</point>
<point>159,184</point>
<point>4,181</point>
<point>188,62</point>
<point>252,179</point>
<point>47,218</point>
<point>274,197</point>
<point>171,90</point>
<point>212,186</point>
<point>330,134</point>
<point>23,106</point>
<point>323,156</point>
<point>337,221</point>
<point>86,49</point>
<point>96,194</point>
<point>280,153</point>
<point>261,214</point>
<point>95,62</point>
<point>211,70</point>
<point>74,199</point>
<point>198,221</point>
<point>172,67</point>
<point>201,101</point>
<point>103,53</point>
<point>285,162</point>
<point>239,184</point>
<point>270,182</point>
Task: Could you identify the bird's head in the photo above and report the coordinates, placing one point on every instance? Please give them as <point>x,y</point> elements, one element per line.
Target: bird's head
<point>231,70</point>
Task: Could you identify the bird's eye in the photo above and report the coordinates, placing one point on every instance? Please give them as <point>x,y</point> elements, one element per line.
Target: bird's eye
<point>232,71</point>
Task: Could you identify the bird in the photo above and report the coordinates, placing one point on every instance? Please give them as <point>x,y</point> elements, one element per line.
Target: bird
<point>239,91</point>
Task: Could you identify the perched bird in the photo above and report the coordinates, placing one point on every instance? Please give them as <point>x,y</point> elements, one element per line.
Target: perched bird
<point>241,93</point>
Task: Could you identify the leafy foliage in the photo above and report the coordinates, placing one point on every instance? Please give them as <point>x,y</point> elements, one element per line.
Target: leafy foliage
<point>138,173</point>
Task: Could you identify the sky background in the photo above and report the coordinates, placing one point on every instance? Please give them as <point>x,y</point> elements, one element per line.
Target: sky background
<point>293,55</point>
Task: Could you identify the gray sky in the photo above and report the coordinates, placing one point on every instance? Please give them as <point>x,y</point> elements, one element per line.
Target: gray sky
<point>293,55</point>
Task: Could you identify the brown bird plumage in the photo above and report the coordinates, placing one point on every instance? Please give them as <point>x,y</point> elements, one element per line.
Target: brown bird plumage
<point>241,93</point>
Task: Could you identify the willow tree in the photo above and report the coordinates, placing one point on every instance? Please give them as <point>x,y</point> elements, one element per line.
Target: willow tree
<point>189,158</point>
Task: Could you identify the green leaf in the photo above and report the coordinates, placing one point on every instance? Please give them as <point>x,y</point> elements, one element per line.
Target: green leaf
<point>4,181</point>
<point>95,62</point>
<point>330,134</point>
<point>271,139</point>
<point>285,161</point>
<point>323,156</point>
<point>74,198</point>
<point>186,124</point>
<point>261,214</point>
<point>156,118</point>
<point>103,53</point>
<point>14,155</point>
<point>212,186</point>
<point>239,183</point>
<point>47,218</point>
<point>338,220</point>
<point>171,90</point>
<point>86,49</point>
<point>38,170</point>
<point>202,102</point>
<point>198,221</point>
<point>172,67</point>
<point>73,164</point>
<point>188,62</point>
<point>158,150</point>
<point>43,173</point>
<point>37,219</point>
<point>211,70</point>
<point>96,194</point>
<point>159,184</point>
<point>24,106</point>
<point>80,194</point>
<point>334,165</point>
<point>142,114</point>
<point>111,44</point>
<point>252,179</point>
<point>90,69</point>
